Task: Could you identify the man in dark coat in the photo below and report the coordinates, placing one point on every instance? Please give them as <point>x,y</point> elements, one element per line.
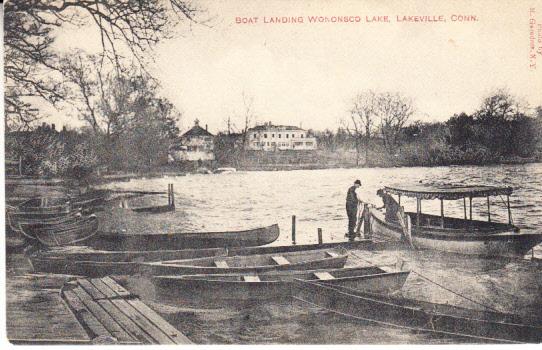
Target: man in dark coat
<point>352,200</point>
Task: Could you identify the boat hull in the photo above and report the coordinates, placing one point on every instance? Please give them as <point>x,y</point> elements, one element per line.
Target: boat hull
<point>124,242</point>
<point>278,285</point>
<point>312,260</point>
<point>506,244</point>
<point>435,318</point>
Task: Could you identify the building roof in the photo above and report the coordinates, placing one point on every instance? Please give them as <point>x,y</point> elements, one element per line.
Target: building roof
<point>270,126</point>
<point>448,192</point>
<point>197,131</point>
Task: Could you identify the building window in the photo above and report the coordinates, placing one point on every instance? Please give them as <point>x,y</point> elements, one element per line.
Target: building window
<point>254,135</point>
<point>280,136</point>
<point>287,135</point>
<point>268,143</point>
<point>272,135</point>
<point>302,136</point>
<point>293,135</point>
<point>308,143</point>
<point>273,143</point>
<point>298,143</point>
<point>264,136</point>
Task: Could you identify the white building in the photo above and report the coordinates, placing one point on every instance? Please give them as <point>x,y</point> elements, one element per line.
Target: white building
<point>269,137</point>
<point>197,144</point>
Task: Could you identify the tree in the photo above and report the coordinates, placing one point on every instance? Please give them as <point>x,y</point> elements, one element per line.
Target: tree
<point>363,117</point>
<point>32,65</point>
<point>394,111</point>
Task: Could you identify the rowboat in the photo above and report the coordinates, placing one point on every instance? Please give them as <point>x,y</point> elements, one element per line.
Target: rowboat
<point>45,205</point>
<point>59,235</point>
<point>274,285</point>
<point>488,326</point>
<point>456,235</point>
<point>305,260</point>
<point>81,260</point>
<point>185,240</point>
<point>100,264</point>
<point>15,219</point>
<point>155,209</point>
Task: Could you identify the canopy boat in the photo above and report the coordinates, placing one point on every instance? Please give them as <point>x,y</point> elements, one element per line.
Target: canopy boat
<point>185,240</point>
<point>418,315</point>
<point>81,260</point>
<point>273,285</point>
<point>304,260</point>
<point>465,236</point>
<point>62,234</point>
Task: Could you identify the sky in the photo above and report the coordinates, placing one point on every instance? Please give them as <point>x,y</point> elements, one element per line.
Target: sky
<point>306,74</point>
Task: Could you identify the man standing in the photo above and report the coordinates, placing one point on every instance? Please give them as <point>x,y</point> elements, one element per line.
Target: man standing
<point>352,199</point>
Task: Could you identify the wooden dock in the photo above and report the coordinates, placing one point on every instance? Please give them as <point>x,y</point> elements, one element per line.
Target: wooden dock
<point>111,314</point>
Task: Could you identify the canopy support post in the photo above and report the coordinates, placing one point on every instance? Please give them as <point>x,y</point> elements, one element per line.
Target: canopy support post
<point>488,210</point>
<point>418,210</point>
<point>470,208</point>
<point>442,213</point>
<point>465,207</point>
<point>509,211</point>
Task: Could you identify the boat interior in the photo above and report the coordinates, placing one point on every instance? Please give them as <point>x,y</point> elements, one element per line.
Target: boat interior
<point>322,275</point>
<point>257,260</point>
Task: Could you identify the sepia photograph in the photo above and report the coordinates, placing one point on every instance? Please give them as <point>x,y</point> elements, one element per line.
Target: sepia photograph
<point>235,172</point>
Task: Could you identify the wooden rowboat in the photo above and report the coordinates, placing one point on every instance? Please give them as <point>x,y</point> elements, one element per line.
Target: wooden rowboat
<point>182,240</point>
<point>111,263</point>
<point>155,209</point>
<point>59,235</point>
<point>274,285</point>
<point>417,315</point>
<point>305,260</point>
<point>80,260</point>
<point>464,236</point>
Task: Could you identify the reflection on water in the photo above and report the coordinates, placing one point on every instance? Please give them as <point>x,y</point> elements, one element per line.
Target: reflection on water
<point>251,199</point>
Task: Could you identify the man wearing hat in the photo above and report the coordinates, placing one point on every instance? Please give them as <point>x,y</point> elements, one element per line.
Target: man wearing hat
<point>352,199</point>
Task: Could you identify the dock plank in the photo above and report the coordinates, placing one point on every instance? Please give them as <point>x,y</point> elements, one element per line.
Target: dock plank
<point>157,335</point>
<point>117,288</point>
<point>90,289</point>
<point>126,323</point>
<point>107,321</point>
<point>87,318</point>
<point>103,288</point>
<point>162,324</point>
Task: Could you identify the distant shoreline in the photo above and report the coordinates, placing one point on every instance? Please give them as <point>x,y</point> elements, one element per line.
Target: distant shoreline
<point>158,173</point>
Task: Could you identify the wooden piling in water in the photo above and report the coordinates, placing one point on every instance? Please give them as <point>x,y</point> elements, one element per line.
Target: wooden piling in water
<point>320,240</point>
<point>293,229</point>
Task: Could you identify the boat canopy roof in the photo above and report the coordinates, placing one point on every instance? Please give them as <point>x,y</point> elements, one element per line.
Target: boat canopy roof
<point>448,192</point>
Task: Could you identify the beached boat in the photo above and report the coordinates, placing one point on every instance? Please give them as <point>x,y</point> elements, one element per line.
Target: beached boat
<point>45,205</point>
<point>393,311</point>
<point>457,235</point>
<point>305,260</point>
<point>14,219</point>
<point>185,240</point>
<point>62,234</point>
<point>170,206</point>
<point>273,285</point>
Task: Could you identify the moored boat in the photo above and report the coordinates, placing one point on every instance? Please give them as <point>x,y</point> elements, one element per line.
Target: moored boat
<point>62,234</point>
<point>456,235</point>
<point>304,260</point>
<point>419,316</point>
<point>184,240</point>
<point>274,285</point>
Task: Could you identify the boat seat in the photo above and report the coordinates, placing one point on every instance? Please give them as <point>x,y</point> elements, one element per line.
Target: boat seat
<point>249,278</point>
<point>324,276</point>
<point>280,260</point>
<point>221,263</point>
<point>332,254</point>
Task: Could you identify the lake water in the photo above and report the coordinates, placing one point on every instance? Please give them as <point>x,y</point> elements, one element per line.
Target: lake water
<point>251,199</point>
